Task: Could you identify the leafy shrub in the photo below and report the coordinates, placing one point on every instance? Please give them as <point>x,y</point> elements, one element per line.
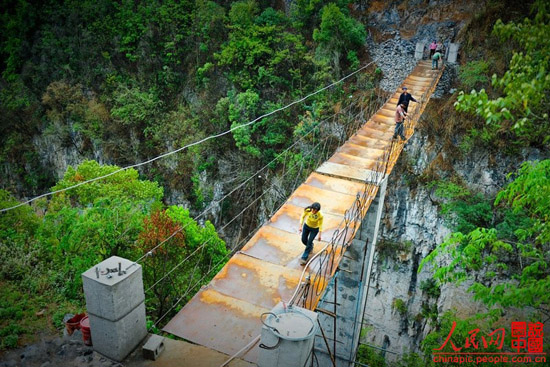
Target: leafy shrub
<point>369,356</point>
<point>390,249</point>
<point>9,341</point>
<point>474,74</point>
<point>134,107</point>
<point>400,306</point>
<point>196,250</point>
<point>430,287</point>
<point>522,107</point>
<point>463,209</point>
<point>338,32</point>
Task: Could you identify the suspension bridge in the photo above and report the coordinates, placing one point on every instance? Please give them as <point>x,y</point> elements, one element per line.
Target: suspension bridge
<point>225,314</point>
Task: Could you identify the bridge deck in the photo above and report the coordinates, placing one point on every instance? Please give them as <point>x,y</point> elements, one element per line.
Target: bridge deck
<point>225,315</point>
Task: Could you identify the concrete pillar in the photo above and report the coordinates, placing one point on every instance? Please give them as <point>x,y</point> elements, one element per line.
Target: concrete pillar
<point>419,51</point>
<point>287,337</point>
<point>377,208</point>
<point>372,222</point>
<point>115,302</point>
<point>453,53</point>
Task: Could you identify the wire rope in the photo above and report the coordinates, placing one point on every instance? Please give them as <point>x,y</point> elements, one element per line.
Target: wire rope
<point>214,136</point>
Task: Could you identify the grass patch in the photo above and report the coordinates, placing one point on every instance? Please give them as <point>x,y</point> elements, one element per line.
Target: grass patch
<point>400,306</point>
<point>24,315</point>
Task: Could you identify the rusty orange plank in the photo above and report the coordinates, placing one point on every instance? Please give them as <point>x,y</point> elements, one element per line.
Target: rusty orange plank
<point>331,202</point>
<point>381,132</point>
<point>416,82</point>
<point>258,282</point>
<point>353,161</point>
<point>387,110</point>
<point>360,151</point>
<point>369,142</point>
<point>334,184</point>
<point>345,171</point>
<point>288,219</point>
<point>381,121</point>
<point>219,322</point>
<point>419,78</point>
<point>279,247</point>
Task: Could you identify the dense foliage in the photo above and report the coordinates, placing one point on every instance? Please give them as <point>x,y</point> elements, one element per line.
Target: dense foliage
<point>517,227</point>
<point>119,215</point>
<point>509,240</point>
<point>122,81</point>
<point>127,80</point>
<point>519,109</point>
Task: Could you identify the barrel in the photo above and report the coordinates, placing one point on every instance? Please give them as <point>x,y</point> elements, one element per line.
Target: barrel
<point>85,329</point>
<point>73,323</point>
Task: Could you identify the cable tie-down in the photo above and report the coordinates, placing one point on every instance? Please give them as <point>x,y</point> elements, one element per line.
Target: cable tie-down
<point>108,272</point>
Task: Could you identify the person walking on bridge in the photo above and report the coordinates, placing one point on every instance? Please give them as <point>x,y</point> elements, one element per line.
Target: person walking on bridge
<point>433,47</point>
<point>435,60</point>
<point>311,223</point>
<point>400,114</point>
<point>405,98</point>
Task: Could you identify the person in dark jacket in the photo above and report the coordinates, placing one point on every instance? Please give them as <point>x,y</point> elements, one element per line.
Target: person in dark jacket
<point>405,98</point>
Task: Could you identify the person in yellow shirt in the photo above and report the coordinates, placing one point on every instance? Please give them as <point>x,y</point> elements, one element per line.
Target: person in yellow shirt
<point>311,223</point>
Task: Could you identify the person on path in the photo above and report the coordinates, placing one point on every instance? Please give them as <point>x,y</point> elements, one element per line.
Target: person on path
<point>433,47</point>
<point>311,223</point>
<point>435,60</point>
<point>399,120</point>
<point>405,98</point>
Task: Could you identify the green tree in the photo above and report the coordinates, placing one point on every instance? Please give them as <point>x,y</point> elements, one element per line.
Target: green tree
<point>78,238</point>
<point>17,249</point>
<point>195,252</point>
<point>124,185</point>
<point>134,107</point>
<point>260,53</point>
<point>338,33</point>
<point>514,249</point>
<point>522,108</point>
<point>87,224</point>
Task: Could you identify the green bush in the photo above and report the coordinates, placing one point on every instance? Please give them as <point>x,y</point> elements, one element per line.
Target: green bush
<point>9,341</point>
<point>370,357</point>
<point>390,249</point>
<point>460,207</point>
<point>519,101</point>
<point>474,74</point>
<point>430,287</point>
<point>338,32</point>
<point>400,306</point>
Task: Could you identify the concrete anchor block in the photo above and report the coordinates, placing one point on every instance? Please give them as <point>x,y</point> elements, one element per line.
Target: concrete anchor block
<point>113,296</point>
<point>116,306</point>
<point>419,51</point>
<point>453,53</point>
<point>117,339</point>
<point>153,348</point>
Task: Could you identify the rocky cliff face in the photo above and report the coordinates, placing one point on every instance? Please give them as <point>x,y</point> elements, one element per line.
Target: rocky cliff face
<point>398,311</point>
<point>395,28</point>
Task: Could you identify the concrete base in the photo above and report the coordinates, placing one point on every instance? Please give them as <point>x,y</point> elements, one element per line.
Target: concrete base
<point>116,339</point>
<point>351,292</point>
<point>452,55</point>
<point>419,51</point>
<point>154,347</point>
